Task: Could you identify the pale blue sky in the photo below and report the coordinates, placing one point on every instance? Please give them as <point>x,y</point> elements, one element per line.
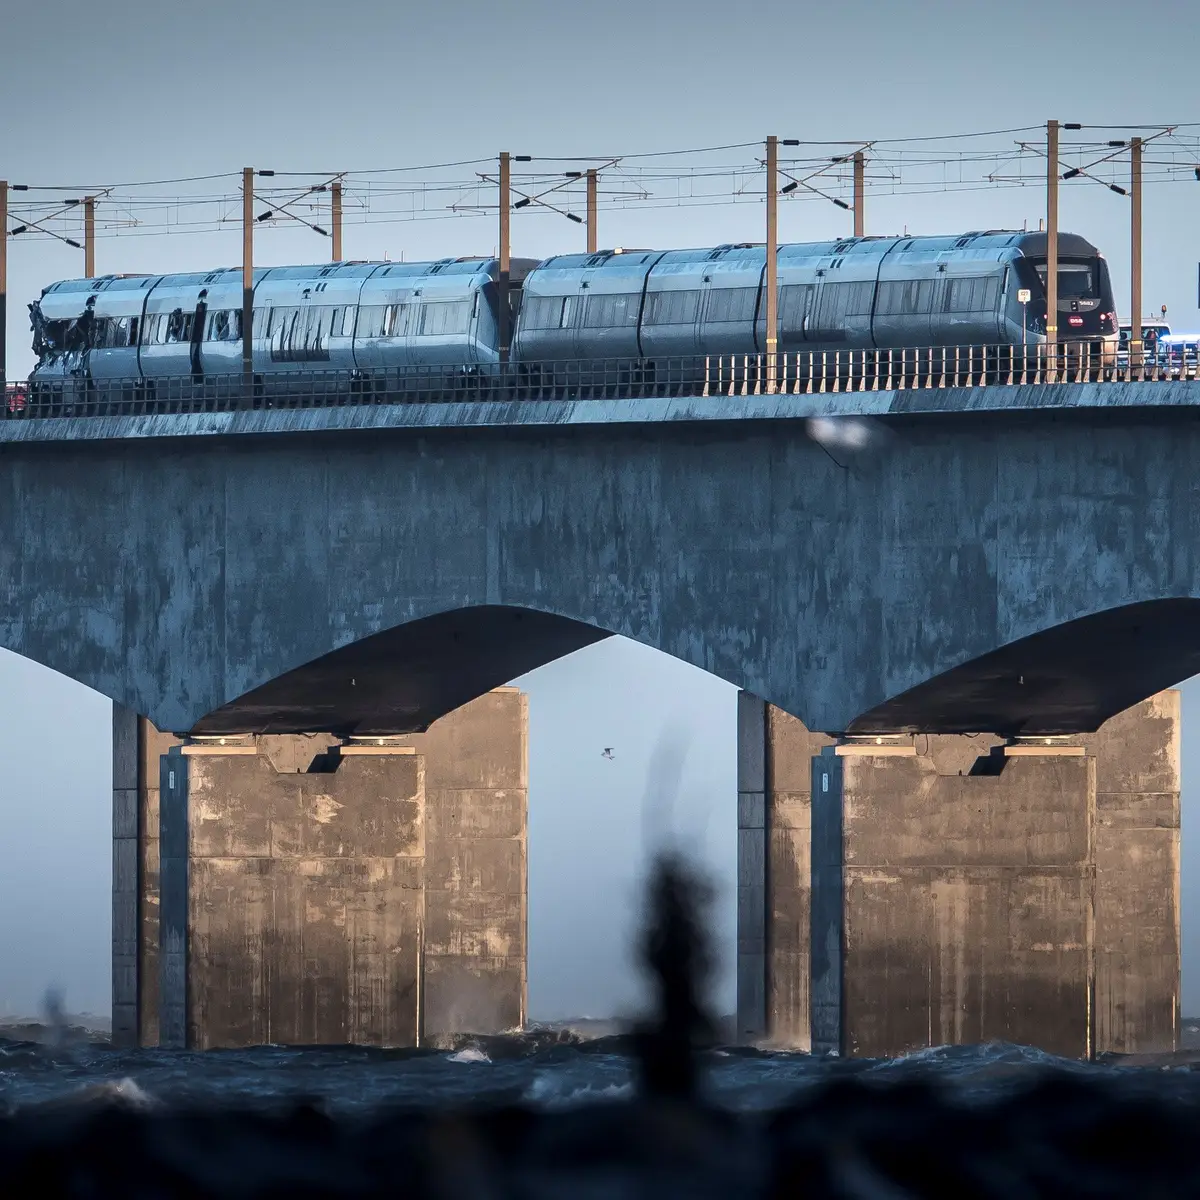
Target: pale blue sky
<point>131,90</point>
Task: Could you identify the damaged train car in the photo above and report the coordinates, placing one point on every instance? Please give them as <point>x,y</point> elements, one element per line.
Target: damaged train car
<point>131,336</point>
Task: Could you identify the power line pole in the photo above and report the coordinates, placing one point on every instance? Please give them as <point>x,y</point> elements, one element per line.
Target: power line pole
<point>505,264</point>
<point>772,274</point>
<point>89,237</point>
<point>336,220</point>
<point>1135,258</point>
<point>3,285</point>
<point>1051,232</point>
<point>592,231</point>
<point>859,189</point>
<point>248,284</point>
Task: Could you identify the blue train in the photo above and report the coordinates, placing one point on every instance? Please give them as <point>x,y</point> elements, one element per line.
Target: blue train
<point>371,322</point>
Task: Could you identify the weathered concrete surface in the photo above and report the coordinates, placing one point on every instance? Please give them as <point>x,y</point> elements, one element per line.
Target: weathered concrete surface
<point>305,900</point>
<point>476,806</point>
<point>775,753</point>
<point>988,552</point>
<point>934,891</point>
<point>126,874</point>
<point>1137,832</point>
<point>967,905</point>
<point>137,748</point>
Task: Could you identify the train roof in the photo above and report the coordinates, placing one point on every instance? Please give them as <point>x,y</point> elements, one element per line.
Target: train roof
<point>615,259</point>
<point>976,242</point>
<point>475,265</point>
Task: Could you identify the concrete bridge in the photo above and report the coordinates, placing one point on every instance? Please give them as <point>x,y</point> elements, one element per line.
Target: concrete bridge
<point>1006,560</point>
<point>1013,559</point>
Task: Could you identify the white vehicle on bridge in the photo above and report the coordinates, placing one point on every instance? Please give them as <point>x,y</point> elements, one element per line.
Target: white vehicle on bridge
<point>1153,330</point>
<point>1177,355</point>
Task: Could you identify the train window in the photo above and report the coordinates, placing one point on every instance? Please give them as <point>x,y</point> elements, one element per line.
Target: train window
<point>284,333</point>
<point>731,304</point>
<point>837,302</point>
<point>371,318</point>
<point>542,312</point>
<point>179,326</point>
<point>905,297</point>
<point>445,318</point>
<point>531,315</point>
<point>794,302</point>
<point>830,316</point>
<point>672,308</point>
<point>1075,280</point>
<point>570,312</point>
<point>611,312</point>
<point>859,298</point>
<point>218,325</point>
<point>973,294</point>
<point>315,329</point>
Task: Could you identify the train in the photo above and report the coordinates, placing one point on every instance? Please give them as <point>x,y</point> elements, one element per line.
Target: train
<point>376,324</point>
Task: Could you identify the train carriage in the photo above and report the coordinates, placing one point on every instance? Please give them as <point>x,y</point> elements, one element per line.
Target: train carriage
<point>580,311</point>
<point>303,331</point>
<point>115,336</point>
<point>63,323</point>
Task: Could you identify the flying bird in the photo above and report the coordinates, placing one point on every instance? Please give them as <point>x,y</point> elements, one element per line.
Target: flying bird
<point>606,752</point>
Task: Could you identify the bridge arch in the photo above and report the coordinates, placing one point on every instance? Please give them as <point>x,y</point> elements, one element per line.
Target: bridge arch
<point>1069,678</point>
<point>404,678</point>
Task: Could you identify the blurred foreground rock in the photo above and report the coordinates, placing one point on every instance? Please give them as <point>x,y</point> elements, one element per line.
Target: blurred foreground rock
<point>1063,1136</point>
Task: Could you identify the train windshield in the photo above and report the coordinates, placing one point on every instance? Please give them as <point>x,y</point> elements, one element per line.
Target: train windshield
<point>1076,280</point>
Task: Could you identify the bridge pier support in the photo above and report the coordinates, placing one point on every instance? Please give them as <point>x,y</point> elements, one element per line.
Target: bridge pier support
<point>313,890</point>
<point>910,891</point>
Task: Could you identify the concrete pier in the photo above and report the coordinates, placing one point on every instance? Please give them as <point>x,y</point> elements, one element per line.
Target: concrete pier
<point>306,889</point>
<point>919,890</point>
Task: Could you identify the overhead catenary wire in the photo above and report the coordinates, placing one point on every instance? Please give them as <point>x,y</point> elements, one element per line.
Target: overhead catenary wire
<point>709,176</point>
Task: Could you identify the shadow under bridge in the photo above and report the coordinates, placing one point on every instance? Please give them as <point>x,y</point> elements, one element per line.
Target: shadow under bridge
<point>403,679</point>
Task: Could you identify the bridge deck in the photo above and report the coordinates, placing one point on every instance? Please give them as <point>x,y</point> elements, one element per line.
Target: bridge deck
<point>570,410</point>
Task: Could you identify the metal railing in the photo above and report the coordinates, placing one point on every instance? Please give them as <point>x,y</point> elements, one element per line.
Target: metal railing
<point>791,373</point>
<point>808,372</point>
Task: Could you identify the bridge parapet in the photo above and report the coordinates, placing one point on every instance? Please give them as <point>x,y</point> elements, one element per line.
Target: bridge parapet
<point>938,379</point>
<point>301,414</point>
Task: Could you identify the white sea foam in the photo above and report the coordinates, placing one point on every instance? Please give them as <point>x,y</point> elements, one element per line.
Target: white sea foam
<point>469,1054</point>
<point>557,1091</point>
<point>122,1092</point>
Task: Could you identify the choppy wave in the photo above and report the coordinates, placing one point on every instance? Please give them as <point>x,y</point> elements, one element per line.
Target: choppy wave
<point>546,1067</point>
